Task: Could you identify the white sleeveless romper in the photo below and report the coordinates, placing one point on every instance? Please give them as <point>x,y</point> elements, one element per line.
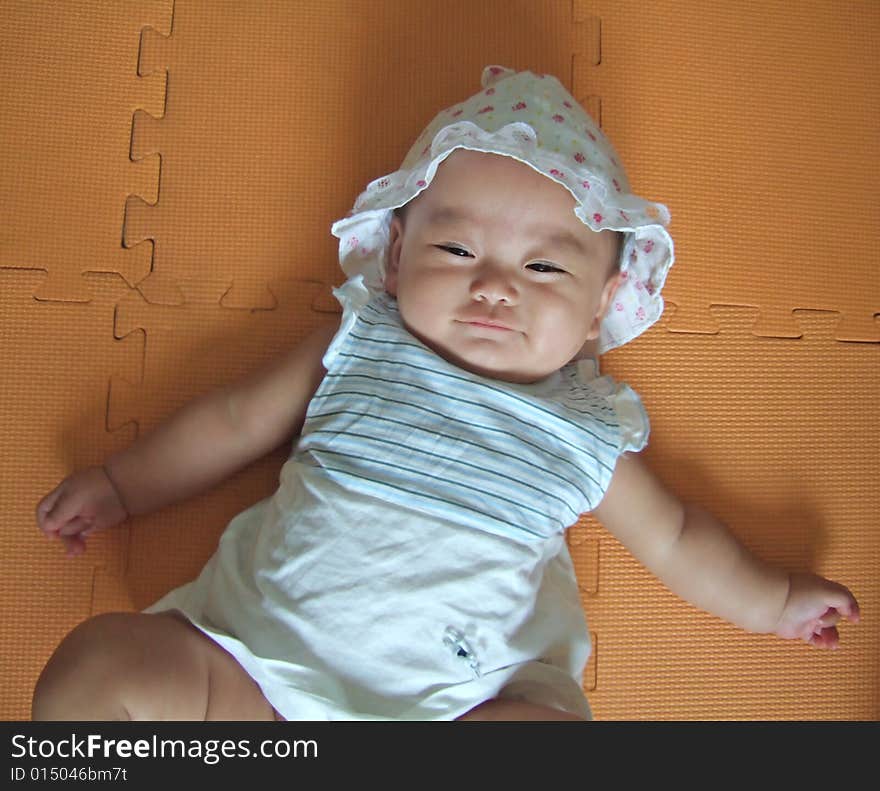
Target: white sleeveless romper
<point>412,563</point>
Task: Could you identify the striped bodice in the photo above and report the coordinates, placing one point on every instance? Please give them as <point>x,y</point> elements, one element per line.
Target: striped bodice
<point>393,421</point>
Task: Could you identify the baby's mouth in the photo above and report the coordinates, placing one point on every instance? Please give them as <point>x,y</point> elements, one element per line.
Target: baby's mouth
<point>488,322</point>
<point>490,325</point>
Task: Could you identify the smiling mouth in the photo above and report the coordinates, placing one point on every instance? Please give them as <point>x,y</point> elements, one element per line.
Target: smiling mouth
<point>490,325</point>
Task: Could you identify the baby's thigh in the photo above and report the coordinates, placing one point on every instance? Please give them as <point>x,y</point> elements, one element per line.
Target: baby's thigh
<point>143,666</point>
<point>229,693</point>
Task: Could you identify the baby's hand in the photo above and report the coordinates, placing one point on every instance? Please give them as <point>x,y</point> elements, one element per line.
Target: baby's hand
<point>813,608</point>
<point>82,503</point>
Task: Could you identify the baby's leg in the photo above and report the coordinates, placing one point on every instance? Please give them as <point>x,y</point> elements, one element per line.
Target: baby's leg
<point>139,666</point>
<point>499,709</point>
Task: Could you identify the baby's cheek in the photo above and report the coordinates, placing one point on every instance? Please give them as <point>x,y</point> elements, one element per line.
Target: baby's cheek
<point>415,309</point>
<point>567,331</point>
<point>419,297</point>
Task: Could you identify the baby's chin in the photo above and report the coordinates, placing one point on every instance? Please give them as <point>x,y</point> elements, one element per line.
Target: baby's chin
<point>491,366</point>
<point>500,359</point>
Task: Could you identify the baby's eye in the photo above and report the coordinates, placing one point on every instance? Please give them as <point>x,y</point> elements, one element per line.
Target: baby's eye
<point>454,250</point>
<point>544,268</point>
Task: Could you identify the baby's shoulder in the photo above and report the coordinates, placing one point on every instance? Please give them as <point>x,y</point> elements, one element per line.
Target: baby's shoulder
<point>581,382</point>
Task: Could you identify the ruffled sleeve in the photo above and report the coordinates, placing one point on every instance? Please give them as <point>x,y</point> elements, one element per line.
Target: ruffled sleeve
<point>353,294</point>
<point>632,418</point>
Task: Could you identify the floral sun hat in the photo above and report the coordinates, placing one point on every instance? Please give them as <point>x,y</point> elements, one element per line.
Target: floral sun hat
<point>532,118</point>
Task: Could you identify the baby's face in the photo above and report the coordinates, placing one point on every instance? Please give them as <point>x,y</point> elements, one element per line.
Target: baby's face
<point>493,271</point>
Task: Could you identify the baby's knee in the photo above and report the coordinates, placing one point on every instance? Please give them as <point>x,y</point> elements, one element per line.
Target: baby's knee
<point>80,680</point>
<point>513,710</point>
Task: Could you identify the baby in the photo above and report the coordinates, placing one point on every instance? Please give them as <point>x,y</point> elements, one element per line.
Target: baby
<point>412,563</point>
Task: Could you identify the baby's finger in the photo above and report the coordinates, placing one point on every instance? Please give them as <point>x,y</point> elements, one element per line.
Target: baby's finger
<point>845,603</point>
<point>74,545</point>
<point>830,618</point>
<point>75,527</point>
<point>45,506</point>
<point>827,638</point>
<point>853,614</point>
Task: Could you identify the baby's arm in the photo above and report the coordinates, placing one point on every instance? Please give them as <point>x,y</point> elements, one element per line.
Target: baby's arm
<point>203,443</point>
<point>696,557</point>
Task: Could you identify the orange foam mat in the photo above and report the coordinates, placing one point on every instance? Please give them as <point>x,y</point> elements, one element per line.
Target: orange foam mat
<point>169,170</point>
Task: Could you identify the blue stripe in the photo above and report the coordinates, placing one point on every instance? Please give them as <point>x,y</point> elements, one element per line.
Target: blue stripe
<point>425,351</point>
<point>462,439</point>
<point>503,433</point>
<point>454,503</point>
<point>435,395</point>
<point>403,424</point>
<point>451,462</point>
<point>542,406</point>
<point>452,485</point>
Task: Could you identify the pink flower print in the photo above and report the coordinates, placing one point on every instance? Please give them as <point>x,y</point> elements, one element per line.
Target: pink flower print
<point>649,246</point>
<point>618,306</point>
<point>567,103</point>
<point>495,71</point>
<point>640,314</point>
<point>624,215</point>
<point>585,184</point>
<point>649,287</point>
<point>457,113</point>
<point>525,138</point>
<point>421,183</point>
<point>353,242</point>
<point>383,183</point>
<point>558,118</point>
<point>624,276</point>
<point>558,173</point>
<point>487,109</point>
<point>579,157</point>
<point>597,217</point>
<point>639,285</point>
<point>519,106</point>
<point>616,184</point>
<point>490,91</point>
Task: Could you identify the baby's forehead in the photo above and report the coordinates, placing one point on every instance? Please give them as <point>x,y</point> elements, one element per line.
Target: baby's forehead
<point>471,160</point>
<point>468,176</point>
<point>500,194</point>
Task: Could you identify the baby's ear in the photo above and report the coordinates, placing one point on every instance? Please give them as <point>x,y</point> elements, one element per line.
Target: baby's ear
<point>611,286</point>
<point>392,263</point>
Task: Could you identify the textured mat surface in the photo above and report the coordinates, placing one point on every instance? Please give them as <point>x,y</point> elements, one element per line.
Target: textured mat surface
<point>168,175</point>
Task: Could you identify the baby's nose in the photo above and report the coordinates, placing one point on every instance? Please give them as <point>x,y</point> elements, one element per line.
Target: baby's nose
<point>493,285</point>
